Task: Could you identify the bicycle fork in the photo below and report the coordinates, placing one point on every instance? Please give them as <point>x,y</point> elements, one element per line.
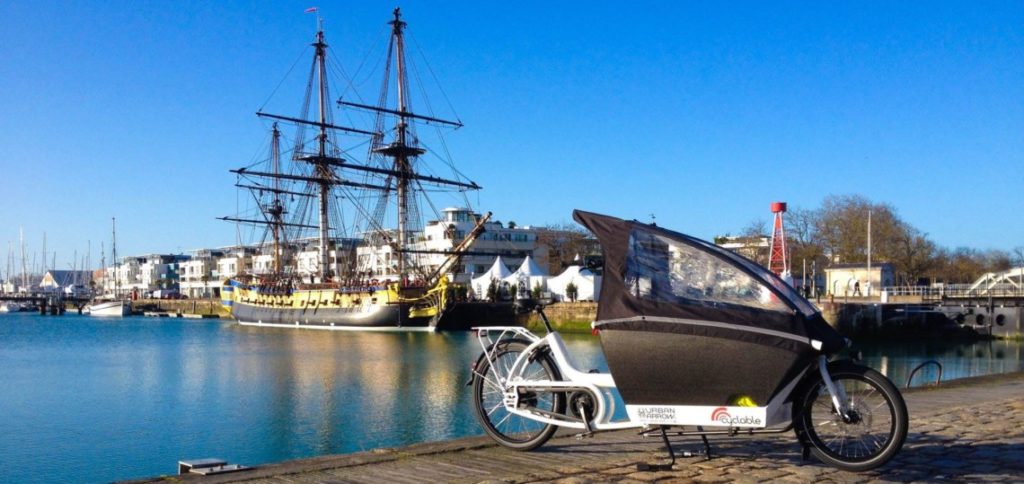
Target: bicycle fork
<point>839,400</point>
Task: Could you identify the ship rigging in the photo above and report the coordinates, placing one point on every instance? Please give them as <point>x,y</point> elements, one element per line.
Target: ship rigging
<point>322,180</point>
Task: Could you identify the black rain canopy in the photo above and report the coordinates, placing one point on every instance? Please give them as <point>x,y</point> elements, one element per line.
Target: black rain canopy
<point>664,281</point>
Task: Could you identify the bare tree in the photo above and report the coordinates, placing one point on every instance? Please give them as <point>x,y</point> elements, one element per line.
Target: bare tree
<point>804,242</point>
<point>915,255</point>
<point>756,228</point>
<point>564,242</point>
<point>837,232</point>
<point>754,232</point>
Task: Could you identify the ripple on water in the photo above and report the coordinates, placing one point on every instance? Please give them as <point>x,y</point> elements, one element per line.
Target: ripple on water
<point>138,394</point>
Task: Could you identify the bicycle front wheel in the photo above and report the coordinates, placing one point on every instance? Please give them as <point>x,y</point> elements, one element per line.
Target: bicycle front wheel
<point>508,429</point>
<point>872,433</point>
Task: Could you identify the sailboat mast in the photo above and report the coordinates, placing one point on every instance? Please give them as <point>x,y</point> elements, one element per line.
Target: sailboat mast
<point>113,255</point>
<point>103,264</point>
<point>24,261</point>
<point>321,168</point>
<point>10,261</point>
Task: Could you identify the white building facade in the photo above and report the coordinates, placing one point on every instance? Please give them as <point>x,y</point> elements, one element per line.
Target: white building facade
<point>197,276</point>
<point>439,237</point>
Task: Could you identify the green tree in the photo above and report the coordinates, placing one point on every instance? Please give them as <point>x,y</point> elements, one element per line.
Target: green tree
<point>536,291</point>
<point>492,290</point>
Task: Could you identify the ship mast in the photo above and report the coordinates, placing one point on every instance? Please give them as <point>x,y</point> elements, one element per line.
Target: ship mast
<point>400,149</point>
<point>322,170</point>
<point>321,180</point>
<point>276,209</point>
<point>402,160</point>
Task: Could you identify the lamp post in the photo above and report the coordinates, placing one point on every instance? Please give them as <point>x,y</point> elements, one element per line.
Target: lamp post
<point>869,255</point>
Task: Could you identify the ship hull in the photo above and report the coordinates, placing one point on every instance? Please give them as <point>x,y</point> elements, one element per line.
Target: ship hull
<point>110,309</point>
<point>372,318</point>
<point>369,309</point>
<point>376,308</point>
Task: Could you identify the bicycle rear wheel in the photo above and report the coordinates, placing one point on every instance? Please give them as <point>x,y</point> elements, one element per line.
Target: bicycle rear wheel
<point>509,429</point>
<point>873,432</point>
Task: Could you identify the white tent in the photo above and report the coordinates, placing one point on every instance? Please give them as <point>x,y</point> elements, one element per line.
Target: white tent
<point>588,285</point>
<point>480,283</point>
<point>528,276</point>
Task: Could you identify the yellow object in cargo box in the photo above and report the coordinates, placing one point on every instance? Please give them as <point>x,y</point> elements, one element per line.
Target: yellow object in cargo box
<point>742,401</point>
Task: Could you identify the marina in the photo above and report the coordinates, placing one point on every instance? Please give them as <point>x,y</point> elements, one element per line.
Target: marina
<point>175,388</point>
<point>733,218</point>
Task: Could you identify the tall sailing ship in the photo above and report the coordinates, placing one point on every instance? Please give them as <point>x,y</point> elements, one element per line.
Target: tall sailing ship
<point>304,205</point>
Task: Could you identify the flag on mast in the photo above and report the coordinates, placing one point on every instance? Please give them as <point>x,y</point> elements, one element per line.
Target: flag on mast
<point>311,10</point>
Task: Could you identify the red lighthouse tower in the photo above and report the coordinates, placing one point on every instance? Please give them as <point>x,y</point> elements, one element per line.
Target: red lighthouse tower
<point>778,258</point>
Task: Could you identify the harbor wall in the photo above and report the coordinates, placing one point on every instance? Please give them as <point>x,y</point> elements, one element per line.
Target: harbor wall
<point>566,317</point>
<point>181,306</point>
<point>902,320</point>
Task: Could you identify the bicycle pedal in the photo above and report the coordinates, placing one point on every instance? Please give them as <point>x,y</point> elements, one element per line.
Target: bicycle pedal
<point>584,435</point>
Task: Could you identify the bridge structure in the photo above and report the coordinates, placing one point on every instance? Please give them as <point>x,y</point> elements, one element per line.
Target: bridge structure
<point>992,305</point>
<point>1005,286</point>
<point>1009,283</point>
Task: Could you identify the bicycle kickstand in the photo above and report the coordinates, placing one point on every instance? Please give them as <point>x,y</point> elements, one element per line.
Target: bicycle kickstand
<point>660,467</point>
<point>707,445</point>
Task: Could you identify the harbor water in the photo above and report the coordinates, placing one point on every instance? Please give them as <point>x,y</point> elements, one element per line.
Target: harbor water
<point>92,400</point>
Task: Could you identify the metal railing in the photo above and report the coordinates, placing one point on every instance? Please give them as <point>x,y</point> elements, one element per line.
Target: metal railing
<point>938,378</point>
<point>956,291</point>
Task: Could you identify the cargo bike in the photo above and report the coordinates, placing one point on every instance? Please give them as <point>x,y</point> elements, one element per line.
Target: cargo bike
<point>699,341</point>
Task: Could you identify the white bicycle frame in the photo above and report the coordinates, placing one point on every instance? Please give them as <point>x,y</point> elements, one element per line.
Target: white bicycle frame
<point>601,386</point>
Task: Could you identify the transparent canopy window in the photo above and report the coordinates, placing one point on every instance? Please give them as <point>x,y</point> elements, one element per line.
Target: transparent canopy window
<point>664,270</point>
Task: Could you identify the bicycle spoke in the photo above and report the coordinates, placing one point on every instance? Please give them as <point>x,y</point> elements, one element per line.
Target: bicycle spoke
<point>503,420</point>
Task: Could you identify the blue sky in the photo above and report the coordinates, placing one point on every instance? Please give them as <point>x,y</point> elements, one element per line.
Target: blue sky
<point>700,113</point>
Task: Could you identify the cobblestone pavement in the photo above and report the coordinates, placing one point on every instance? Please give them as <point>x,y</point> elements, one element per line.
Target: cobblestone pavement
<point>970,430</point>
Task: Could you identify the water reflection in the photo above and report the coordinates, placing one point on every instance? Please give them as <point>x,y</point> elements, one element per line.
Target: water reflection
<point>958,360</point>
<point>145,392</point>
